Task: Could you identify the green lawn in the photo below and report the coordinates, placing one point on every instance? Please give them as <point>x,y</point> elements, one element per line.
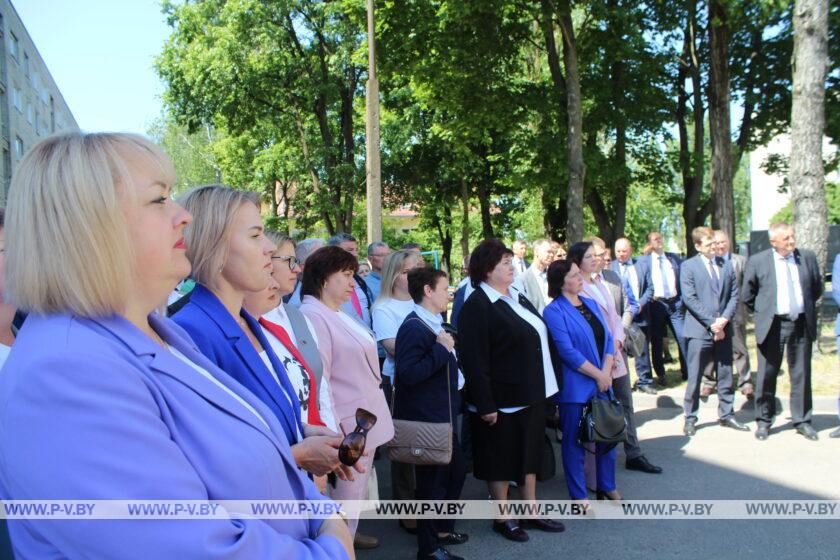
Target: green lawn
<point>825,366</point>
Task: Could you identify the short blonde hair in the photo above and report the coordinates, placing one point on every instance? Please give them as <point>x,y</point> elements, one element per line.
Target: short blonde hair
<point>67,243</point>
<point>208,236</point>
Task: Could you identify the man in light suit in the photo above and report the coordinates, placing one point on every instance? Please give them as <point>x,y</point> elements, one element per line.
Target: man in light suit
<point>666,308</point>
<point>635,274</point>
<point>741,356</point>
<point>520,264</point>
<point>710,297</point>
<point>782,286</point>
<point>534,279</point>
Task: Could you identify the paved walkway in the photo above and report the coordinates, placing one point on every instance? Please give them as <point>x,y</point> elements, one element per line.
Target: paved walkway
<point>717,463</point>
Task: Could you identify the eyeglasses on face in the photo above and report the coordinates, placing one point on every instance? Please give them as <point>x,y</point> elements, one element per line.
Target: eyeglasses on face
<point>353,445</point>
<point>290,260</point>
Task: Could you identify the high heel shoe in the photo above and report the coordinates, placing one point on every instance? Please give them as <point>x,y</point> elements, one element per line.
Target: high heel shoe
<point>603,495</point>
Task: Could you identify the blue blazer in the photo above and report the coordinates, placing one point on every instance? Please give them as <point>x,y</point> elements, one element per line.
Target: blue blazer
<point>835,290</point>
<point>221,339</point>
<point>420,388</point>
<point>92,409</point>
<point>576,344</point>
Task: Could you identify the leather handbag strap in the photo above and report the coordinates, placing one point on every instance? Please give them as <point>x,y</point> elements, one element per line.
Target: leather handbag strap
<point>448,380</point>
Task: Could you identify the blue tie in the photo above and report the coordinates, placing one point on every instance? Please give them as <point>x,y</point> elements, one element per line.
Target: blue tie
<point>665,287</point>
<point>715,277</point>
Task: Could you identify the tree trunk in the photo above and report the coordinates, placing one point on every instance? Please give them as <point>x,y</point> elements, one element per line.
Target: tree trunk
<point>484,206</point>
<point>807,175</point>
<point>723,215</point>
<point>465,218</point>
<point>577,167</point>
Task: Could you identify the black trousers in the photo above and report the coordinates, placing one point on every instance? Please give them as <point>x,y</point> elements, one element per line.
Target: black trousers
<point>789,337</point>
<point>663,316</point>
<point>740,359</point>
<point>439,482</point>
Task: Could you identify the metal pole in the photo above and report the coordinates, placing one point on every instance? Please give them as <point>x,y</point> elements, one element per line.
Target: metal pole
<point>372,160</point>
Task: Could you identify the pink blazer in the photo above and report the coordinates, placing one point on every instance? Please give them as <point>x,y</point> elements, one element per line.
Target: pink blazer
<point>351,367</point>
<point>612,318</point>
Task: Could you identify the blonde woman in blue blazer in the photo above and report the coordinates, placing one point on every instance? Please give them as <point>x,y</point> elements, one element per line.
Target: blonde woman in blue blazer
<point>586,349</point>
<point>102,398</point>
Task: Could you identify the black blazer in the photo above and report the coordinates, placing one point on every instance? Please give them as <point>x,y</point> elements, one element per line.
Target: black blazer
<point>501,355</point>
<point>759,290</point>
<point>420,391</point>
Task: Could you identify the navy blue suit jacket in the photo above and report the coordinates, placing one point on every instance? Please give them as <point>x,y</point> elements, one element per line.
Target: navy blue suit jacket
<point>219,337</point>
<point>420,378</point>
<point>642,266</point>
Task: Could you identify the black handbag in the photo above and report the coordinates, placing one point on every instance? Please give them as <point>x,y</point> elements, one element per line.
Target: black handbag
<point>603,421</point>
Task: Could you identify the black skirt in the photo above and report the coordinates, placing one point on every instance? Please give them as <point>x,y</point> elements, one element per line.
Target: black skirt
<point>511,448</point>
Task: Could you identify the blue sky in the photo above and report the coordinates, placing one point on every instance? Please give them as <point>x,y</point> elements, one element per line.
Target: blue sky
<point>100,53</point>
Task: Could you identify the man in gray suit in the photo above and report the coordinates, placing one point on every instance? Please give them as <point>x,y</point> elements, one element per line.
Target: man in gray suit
<point>534,278</point>
<point>782,286</point>
<point>741,356</point>
<point>710,295</point>
<point>635,459</point>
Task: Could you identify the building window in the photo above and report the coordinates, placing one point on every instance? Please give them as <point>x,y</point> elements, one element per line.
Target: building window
<point>26,65</point>
<point>17,98</point>
<point>14,45</point>
<point>29,113</point>
<point>18,148</point>
<point>38,128</point>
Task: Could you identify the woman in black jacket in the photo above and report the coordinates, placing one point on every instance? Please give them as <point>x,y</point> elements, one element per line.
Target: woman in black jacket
<point>511,367</point>
<point>426,390</point>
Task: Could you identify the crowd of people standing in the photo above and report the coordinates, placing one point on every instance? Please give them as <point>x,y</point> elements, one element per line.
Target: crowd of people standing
<point>285,368</point>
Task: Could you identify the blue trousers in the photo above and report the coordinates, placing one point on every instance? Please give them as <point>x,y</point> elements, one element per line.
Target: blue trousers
<point>574,455</point>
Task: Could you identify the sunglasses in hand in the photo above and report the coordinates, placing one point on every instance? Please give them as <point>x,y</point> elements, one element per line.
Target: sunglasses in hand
<point>353,445</point>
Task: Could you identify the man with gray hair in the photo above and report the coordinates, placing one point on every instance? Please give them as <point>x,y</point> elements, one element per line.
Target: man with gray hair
<point>376,253</point>
<point>359,305</point>
<point>302,252</point>
<point>782,286</point>
<point>534,278</point>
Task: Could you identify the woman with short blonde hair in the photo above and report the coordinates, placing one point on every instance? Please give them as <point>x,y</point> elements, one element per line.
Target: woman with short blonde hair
<point>97,377</point>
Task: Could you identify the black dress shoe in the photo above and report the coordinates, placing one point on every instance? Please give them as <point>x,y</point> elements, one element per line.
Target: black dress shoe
<point>646,388</point>
<point>734,424</point>
<point>439,554</point>
<point>641,463</point>
<point>661,381</point>
<point>690,428</point>
<point>453,538</point>
<point>835,433</point>
<point>547,525</point>
<point>762,432</point>
<point>407,529</point>
<point>510,530</point>
<point>808,431</point>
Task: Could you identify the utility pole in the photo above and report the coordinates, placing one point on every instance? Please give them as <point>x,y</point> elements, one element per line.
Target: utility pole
<point>372,160</point>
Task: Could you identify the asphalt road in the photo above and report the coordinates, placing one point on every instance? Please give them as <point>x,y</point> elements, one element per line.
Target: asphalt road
<point>717,463</point>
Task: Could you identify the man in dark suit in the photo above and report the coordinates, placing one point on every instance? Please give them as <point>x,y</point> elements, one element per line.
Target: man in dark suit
<point>710,297</point>
<point>782,285</point>
<point>741,356</point>
<point>520,265</point>
<point>635,274</point>
<point>665,310</point>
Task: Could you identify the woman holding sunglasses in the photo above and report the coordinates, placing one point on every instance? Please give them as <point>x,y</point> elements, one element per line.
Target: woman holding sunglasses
<point>351,363</point>
<point>104,398</point>
<point>231,256</point>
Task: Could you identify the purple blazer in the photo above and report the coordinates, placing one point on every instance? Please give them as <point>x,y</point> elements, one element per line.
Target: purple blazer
<point>93,409</point>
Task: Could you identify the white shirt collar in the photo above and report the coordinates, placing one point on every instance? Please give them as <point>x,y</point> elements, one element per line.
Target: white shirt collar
<point>781,258</point>
<point>434,320</point>
<point>495,296</point>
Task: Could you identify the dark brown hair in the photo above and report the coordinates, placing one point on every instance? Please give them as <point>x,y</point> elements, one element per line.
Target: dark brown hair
<point>322,264</point>
<point>556,276</point>
<point>484,259</point>
<point>419,278</point>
